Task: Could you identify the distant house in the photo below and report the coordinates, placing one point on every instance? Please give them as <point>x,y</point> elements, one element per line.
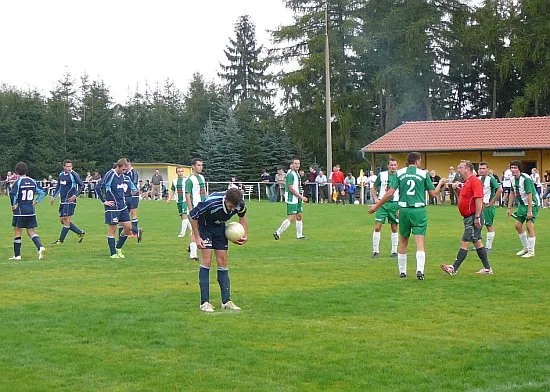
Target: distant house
<point>444,143</point>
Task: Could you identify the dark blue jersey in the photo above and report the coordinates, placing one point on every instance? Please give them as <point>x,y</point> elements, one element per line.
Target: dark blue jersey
<point>131,188</point>
<point>212,211</point>
<point>68,185</point>
<point>22,195</point>
<point>112,188</point>
<point>134,176</point>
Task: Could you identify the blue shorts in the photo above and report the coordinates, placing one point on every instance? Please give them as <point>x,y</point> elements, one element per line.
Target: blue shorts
<point>214,237</point>
<point>132,202</point>
<point>24,222</point>
<point>116,217</point>
<point>67,209</point>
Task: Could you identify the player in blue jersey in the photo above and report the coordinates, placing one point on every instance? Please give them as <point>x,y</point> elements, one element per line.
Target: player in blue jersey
<point>22,201</point>
<point>69,186</point>
<point>110,190</point>
<point>132,200</point>
<point>208,223</point>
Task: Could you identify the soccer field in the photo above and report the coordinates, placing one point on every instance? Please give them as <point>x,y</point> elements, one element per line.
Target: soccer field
<point>317,315</point>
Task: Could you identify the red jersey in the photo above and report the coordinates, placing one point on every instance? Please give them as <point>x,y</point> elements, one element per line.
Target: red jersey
<point>471,190</point>
<point>338,177</point>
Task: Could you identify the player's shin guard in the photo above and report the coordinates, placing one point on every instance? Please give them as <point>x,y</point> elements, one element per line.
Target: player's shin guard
<point>75,229</point>
<point>225,287</point>
<point>531,244</point>
<point>420,261</point>
<point>482,254</point>
<point>193,250</point>
<point>402,262</point>
<point>490,238</point>
<point>394,241</point>
<point>36,240</point>
<point>523,239</point>
<point>111,242</point>
<point>64,232</point>
<point>135,225</point>
<point>17,246</point>
<point>375,242</point>
<point>299,229</point>
<point>285,225</point>
<point>204,283</point>
<point>121,240</point>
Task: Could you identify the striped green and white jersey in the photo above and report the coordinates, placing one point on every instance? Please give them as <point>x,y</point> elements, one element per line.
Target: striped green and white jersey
<point>522,186</point>
<point>178,187</point>
<point>412,184</point>
<point>490,186</point>
<point>292,178</point>
<point>196,188</point>
<point>382,184</point>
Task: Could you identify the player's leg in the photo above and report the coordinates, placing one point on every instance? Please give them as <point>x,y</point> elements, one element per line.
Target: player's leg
<point>124,220</point>
<point>31,224</point>
<point>111,230</point>
<point>220,246</point>
<point>72,226</point>
<point>378,222</point>
<point>135,220</point>
<point>531,237</point>
<point>16,242</point>
<point>394,237</point>
<point>521,216</point>
<point>291,211</point>
<point>393,212</point>
<point>299,221</point>
<point>204,271</point>
<point>419,228</point>
<point>404,234</point>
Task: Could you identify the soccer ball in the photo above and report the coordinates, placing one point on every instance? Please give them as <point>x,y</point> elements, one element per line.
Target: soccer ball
<point>234,231</point>
<point>356,202</point>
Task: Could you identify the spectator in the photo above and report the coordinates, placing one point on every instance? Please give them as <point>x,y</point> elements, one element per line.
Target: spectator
<point>535,176</point>
<point>362,183</point>
<point>370,183</point>
<point>321,181</point>
<point>451,177</point>
<point>280,180</point>
<point>312,175</point>
<point>269,186</point>
<point>337,181</point>
<point>145,190</point>
<point>506,186</point>
<point>350,187</point>
<point>156,182</point>
<point>435,179</point>
<point>234,184</point>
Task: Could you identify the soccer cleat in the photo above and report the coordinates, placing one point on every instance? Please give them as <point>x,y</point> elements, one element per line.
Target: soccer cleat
<point>194,259</point>
<point>485,271</point>
<point>15,258</point>
<point>229,305</point>
<point>181,235</point>
<point>276,236</point>
<point>81,237</point>
<point>393,254</point>
<point>402,275</point>
<point>419,275</point>
<point>57,242</point>
<point>139,235</point>
<point>301,238</point>
<point>188,249</point>
<point>488,250</point>
<point>528,254</point>
<point>374,255</point>
<point>522,252</point>
<point>207,307</point>
<point>448,269</point>
<point>115,256</point>
<point>120,254</point>
<point>41,253</point>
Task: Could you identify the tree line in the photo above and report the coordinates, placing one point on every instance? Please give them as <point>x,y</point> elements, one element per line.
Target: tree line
<point>390,61</point>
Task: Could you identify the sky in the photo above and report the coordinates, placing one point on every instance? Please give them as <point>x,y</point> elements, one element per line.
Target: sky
<point>126,44</point>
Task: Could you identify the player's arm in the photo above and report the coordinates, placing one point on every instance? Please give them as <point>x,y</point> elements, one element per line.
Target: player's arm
<point>511,198</point>
<point>296,193</point>
<point>435,192</point>
<point>41,194</point>
<point>194,214</point>
<point>479,210</point>
<point>79,187</point>
<point>243,220</point>
<point>374,189</point>
<point>498,192</point>
<point>188,190</point>
<point>530,200</point>
<point>387,196</point>
<point>14,193</point>
<point>171,194</point>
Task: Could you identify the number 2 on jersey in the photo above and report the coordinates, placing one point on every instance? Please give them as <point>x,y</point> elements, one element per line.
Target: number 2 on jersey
<point>411,184</point>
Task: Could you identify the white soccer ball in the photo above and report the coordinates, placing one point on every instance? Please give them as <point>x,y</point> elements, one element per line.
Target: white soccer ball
<point>234,231</point>
<point>356,202</point>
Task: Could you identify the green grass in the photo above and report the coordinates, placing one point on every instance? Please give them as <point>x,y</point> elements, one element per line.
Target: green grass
<point>318,315</point>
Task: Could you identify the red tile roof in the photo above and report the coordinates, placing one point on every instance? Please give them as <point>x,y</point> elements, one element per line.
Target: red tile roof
<point>464,135</point>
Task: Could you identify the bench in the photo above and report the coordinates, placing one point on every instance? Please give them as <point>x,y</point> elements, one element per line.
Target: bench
<point>248,189</point>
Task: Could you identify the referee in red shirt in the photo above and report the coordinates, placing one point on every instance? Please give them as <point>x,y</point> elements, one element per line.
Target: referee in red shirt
<point>470,206</point>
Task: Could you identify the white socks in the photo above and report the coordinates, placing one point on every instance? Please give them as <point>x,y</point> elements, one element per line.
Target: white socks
<point>490,238</point>
<point>394,241</point>
<point>531,244</point>
<point>284,226</point>
<point>420,261</point>
<point>193,250</point>
<point>402,262</point>
<point>183,226</point>
<point>375,242</point>
<point>523,239</point>
<point>299,229</point>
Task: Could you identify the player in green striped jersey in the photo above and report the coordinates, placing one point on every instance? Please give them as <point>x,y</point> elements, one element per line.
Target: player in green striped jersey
<point>195,192</point>
<point>491,196</point>
<point>413,183</point>
<point>523,189</point>
<point>178,191</point>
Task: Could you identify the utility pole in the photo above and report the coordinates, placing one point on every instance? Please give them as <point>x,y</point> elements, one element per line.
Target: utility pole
<point>327,94</point>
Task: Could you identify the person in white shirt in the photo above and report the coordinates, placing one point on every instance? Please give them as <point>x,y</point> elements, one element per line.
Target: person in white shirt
<point>321,181</point>
<point>506,186</point>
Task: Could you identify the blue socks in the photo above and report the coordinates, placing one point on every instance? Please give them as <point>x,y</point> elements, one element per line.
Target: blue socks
<point>204,283</point>
<point>223,280</point>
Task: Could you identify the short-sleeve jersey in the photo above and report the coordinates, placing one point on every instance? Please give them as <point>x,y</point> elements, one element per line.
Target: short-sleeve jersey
<point>382,184</point>
<point>522,186</point>
<point>112,188</point>
<point>412,184</point>
<point>178,187</point>
<point>130,187</point>
<point>68,185</point>
<point>490,186</point>
<point>196,188</point>
<point>22,194</point>
<point>471,190</point>
<point>212,211</point>
<point>292,178</point>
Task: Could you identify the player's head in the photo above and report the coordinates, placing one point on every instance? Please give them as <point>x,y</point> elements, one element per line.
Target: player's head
<point>295,165</point>
<point>179,171</point>
<point>67,165</point>
<point>233,198</point>
<point>392,165</point>
<point>121,165</point>
<point>414,158</point>
<point>128,163</point>
<point>21,169</point>
<point>516,168</point>
<point>483,168</point>
<point>196,164</point>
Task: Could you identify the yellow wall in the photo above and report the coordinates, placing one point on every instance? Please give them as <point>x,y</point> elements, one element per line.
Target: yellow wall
<point>441,161</point>
<point>167,170</point>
